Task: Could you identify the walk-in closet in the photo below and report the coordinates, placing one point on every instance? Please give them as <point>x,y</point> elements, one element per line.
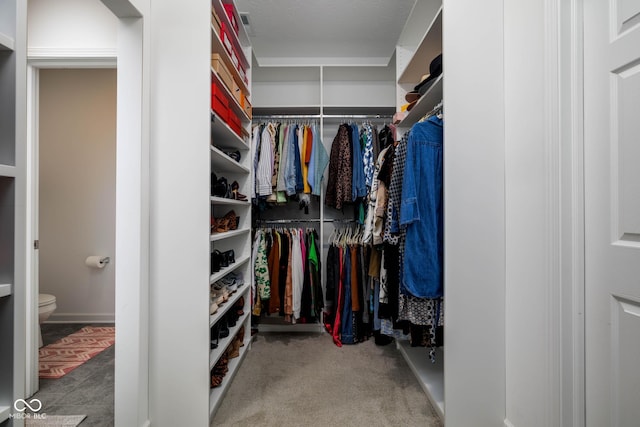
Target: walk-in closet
<point>321,166</point>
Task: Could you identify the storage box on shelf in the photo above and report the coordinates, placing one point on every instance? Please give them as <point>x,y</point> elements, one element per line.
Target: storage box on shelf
<point>227,35</point>
<point>225,75</point>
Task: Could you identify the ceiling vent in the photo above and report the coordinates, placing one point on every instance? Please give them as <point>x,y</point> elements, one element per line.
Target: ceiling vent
<point>244,17</point>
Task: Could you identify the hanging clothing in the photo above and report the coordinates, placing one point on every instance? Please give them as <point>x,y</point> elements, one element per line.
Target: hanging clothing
<point>358,186</point>
<point>421,210</point>
<point>340,177</point>
<point>317,163</point>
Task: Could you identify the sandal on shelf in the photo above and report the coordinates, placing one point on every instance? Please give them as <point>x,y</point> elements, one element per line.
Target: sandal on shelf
<point>231,220</point>
<point>235,192</point>
<point>241,335</point>
<point>216,380</point>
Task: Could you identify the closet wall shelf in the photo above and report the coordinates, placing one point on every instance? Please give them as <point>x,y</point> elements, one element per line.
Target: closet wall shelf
<point>425,104</point>
<point>233,37</point>
<point>216,394</point>
<point>5,411</point>
<point>7,171</point>
<point>215,237</point>
<point>223,343</point>
<point>224,271</point>
<point>429,48</point>
<point>232,202</point>
<point>220,131</point>
<point>5,290</point>
<point>6,42</point>
<point>429,375</point>
<point>242,291</point>
<point>233,101</point>
<point>218,47</point>
<point>220,162</point>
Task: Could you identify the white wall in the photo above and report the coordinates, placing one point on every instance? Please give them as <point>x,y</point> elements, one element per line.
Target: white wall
<point>74,28</point>
<point>179,126</point>
<point>77,190</point>
<point>474,167</point>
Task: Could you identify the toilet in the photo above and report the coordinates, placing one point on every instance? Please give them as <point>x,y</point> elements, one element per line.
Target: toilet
<point>46,306</point>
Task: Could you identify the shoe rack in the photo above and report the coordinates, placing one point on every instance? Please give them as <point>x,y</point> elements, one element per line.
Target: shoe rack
<point>229,319</point>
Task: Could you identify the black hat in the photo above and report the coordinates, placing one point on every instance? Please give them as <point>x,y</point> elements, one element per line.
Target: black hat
<point>435,70</point>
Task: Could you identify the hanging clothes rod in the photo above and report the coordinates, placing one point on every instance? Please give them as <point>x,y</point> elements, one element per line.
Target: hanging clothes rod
<point>326,116</point>
<point>285,221</point>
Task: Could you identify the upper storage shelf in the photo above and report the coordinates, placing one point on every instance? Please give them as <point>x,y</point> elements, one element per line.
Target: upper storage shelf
<point>6,42</point>
<point>417,47</point>
<point>234,38</point>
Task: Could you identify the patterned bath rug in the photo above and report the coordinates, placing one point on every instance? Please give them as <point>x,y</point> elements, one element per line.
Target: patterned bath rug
<point>55,421</point>
<point>63,356</point>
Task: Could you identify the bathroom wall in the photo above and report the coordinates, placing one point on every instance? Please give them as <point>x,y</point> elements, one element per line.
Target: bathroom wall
<point>77,136</point>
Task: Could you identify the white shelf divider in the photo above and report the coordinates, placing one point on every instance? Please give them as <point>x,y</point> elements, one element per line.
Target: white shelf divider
<point>232,267</point>
<point>224,201</point>
<point>7,171</point>
<point>5,290</point>
<point>4,413</point>
<point>6,42</point>
<point>220,162</point>
<point>424,104</point>
<point>429,47</point>
<point>222,310</point>
<point>216,237</point>
<point>429,375</point>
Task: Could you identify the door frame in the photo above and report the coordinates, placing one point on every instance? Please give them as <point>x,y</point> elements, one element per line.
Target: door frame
<point>572,212</point>
<point>34,65</point>
<point>132,205</point>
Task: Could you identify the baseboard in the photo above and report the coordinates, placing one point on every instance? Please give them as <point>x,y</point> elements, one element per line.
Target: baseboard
<point>82,318</point>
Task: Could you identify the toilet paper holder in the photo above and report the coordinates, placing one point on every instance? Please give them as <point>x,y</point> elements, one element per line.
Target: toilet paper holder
<point>105,260</point>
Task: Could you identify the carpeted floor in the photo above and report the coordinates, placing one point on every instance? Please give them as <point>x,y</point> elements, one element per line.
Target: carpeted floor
<point>304,379</point>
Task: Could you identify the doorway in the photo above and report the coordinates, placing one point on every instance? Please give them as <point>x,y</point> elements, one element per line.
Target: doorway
<point>75,154</point>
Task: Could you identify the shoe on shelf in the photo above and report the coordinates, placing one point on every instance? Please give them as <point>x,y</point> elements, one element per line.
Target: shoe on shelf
<point>224,328</point>
<point>213,307</point>
<point>235,192</point>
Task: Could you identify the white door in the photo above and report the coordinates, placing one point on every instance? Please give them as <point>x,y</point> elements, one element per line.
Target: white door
<point>612,212</point>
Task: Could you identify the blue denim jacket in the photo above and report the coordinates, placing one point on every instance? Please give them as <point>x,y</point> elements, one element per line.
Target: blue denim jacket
<point>421,211</point>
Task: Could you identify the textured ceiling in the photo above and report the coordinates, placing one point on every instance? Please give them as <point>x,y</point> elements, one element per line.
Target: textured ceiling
<point>358,32</point>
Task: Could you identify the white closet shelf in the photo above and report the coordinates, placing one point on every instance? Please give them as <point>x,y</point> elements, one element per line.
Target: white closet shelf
<point>223,343</point>
<point>234,38</point>
<point>232,202</point>
<point>7,171</point>
<point>216,394</point>
<point>228,234</point>
<point>5,290</point>
<point>425,104</point>
<point>429,48</point>
<point>222,310</point>
<point>429,375</point>
<point>6,42</point>
<point>218,47</point>
<point>226,270</point>
<point>6,410</point>
<point>220,131</point>
<point>220,162</point>
<point>233,102</point>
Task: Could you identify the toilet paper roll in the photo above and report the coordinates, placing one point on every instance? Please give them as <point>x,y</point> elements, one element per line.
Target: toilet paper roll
<point>96,261</point>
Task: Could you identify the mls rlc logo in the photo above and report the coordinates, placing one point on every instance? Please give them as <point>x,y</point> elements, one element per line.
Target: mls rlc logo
<point>22,405</point>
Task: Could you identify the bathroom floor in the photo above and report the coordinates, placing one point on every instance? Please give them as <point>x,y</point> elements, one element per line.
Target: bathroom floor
<point>87,390</point>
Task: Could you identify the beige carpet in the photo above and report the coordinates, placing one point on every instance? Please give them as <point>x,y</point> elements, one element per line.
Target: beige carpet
<point>304,379</point>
